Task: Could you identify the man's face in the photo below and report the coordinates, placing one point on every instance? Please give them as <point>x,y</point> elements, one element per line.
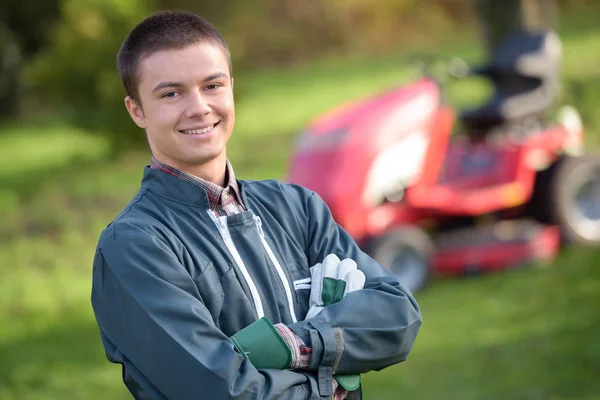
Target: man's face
<point>187,106</point>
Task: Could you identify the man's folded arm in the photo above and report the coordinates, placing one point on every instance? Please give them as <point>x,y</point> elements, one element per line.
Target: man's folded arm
<point>367,330</point>
<point>153,321</point>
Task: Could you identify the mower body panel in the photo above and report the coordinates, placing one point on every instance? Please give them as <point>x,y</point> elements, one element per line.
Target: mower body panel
<point>390,160</point>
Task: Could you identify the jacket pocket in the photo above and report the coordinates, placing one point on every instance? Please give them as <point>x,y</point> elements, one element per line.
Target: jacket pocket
<point>305,283</point>
<point>238,310</point>
<point>211,291</point>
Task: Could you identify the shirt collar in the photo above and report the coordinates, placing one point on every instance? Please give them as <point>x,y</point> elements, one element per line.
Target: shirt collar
<point>213,190</point>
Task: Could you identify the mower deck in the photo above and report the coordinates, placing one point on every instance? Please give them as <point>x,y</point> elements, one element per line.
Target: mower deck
<point>497,246</point>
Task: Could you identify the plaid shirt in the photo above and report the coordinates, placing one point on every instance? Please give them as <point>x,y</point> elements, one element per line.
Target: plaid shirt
<point>223,201</point>
<point>227,201</point>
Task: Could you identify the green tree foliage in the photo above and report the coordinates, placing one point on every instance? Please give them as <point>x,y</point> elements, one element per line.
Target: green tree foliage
<point>24,27</point>
<point>78,71</point>
<point>288,31</point>
<point>10,63</point>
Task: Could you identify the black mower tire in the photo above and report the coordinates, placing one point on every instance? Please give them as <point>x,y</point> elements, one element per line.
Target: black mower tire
<point>408,241</point>
<point>553,199</point>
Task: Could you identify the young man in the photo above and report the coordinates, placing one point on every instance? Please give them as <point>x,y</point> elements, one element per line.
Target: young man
<point>201,285</point>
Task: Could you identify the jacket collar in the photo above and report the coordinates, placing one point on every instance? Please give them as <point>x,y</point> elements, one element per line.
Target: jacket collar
<point>213,190</point>
<point>174,188</point>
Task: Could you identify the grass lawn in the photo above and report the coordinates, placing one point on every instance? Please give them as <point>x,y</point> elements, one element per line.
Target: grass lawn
<point>527,334</point>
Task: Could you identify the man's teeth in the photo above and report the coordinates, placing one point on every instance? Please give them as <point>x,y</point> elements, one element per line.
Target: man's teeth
<point>198,131</point>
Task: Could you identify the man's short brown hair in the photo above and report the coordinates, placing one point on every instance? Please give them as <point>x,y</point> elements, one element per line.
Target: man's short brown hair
<point>166,30</point>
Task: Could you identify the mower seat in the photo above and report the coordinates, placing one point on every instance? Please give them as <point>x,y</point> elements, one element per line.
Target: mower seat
<point>524,73</point>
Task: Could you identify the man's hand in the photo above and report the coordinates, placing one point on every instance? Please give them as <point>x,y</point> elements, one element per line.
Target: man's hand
<point>331,281</point>
<point>269,346</point>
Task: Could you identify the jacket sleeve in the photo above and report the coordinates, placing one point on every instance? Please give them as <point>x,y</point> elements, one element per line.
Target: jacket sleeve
<point>152,321</point>
<point>379,324</point>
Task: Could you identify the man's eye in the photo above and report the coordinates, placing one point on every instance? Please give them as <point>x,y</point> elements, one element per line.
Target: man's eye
<point>170,94</point>
<point>212,86</point>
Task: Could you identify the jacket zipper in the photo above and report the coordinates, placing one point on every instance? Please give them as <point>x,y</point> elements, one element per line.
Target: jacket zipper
<point>221,223</point>
<point>284,280</point>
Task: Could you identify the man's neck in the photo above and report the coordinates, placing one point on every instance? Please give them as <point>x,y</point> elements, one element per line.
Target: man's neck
<point>214,172</point>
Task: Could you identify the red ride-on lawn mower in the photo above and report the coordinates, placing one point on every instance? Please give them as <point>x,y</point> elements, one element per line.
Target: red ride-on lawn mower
<point>507,191</point>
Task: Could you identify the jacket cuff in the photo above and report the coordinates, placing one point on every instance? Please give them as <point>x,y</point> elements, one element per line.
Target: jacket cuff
<point>327,347</point>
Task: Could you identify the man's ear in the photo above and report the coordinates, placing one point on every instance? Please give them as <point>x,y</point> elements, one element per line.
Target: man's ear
<point>136,112</point>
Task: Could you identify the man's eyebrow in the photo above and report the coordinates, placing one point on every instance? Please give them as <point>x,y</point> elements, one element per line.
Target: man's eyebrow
<point>215,76</point>
<point>163,85</point>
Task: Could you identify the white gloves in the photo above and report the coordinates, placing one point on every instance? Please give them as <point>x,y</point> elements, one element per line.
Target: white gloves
<point>331,281</point>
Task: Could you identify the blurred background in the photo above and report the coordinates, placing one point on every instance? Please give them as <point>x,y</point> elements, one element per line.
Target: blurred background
<point>71,159</point>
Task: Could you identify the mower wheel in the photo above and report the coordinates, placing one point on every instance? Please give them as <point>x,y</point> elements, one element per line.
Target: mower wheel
<point>568,194</point>
<point>406,252</point>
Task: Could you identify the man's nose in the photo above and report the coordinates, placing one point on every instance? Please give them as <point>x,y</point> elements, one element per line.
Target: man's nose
<point>197,106</point>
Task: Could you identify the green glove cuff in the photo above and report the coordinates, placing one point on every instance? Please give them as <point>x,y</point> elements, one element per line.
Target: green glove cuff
<point>348,382</point>
<point>261,344</point>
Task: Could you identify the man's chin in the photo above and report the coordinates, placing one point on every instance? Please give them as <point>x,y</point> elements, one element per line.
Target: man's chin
<point>203,159</point>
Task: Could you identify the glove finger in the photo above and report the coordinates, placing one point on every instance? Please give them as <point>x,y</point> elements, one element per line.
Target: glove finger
<point>316,286</point>
<point>355,281</point>
<point>323,281</point>
<point>330,271</point>
<point>330,266</point>
<point>316,272</point>
<point>346,266</point>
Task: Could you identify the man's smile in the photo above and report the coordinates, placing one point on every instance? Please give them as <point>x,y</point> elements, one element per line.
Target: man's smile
<point>199,130</point>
